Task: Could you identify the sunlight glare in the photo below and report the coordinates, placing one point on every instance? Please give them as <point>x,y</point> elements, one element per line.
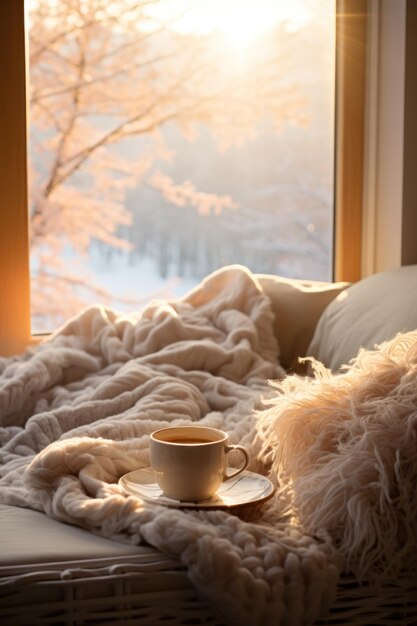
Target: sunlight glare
<point>243,21</point>
<point>239,21</point>
<point>240,27</point>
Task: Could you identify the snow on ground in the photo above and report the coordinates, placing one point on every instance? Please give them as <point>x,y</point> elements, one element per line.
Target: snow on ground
<point>136,280</point>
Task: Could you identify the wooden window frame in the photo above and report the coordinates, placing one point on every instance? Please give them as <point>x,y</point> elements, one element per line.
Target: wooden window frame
<point>350,94</point>
<point>15,330</point>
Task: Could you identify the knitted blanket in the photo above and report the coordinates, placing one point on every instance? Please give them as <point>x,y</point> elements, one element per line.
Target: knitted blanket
<point>76,414</point>
<point>77,411</point>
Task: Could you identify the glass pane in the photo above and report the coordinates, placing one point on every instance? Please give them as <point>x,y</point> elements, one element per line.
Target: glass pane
<point>170,138</point>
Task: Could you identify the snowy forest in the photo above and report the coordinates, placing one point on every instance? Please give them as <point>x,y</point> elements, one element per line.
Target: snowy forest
<point>165,143</point>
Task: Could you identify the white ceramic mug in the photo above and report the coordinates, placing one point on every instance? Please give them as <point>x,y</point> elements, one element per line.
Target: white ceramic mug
<point>190,462</point>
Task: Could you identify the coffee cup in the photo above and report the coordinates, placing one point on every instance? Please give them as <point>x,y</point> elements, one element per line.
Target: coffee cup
<point>190,462</point>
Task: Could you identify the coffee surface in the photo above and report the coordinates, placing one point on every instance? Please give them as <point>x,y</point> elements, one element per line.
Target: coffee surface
<point>190,440</point>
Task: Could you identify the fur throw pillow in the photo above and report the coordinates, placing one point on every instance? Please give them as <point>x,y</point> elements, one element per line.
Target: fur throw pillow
<point>343,452</point>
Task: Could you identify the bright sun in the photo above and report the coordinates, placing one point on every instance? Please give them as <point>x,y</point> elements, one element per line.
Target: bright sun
<point>245,20</point>
<point>241,30</point>
<point>240,21</point>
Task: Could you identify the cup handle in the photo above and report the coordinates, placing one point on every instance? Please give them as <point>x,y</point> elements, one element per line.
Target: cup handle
<point>245,463</point>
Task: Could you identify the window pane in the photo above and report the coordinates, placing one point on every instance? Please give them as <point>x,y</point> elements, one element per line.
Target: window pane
<point>170,138</point>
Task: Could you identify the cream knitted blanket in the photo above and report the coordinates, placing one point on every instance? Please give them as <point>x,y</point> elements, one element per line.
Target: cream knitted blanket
<point>76,414</point>
<point>77,411</point>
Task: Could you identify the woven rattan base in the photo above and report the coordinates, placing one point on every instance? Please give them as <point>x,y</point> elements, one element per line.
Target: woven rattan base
<point>391,603</point>
<point>140,590</point>
<point>151,590</point>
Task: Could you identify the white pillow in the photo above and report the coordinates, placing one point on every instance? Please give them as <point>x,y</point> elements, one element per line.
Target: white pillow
<point>367,313</point>
<point>297,306</point>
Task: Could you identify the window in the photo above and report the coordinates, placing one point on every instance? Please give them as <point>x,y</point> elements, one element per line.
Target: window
<point>15,326</point>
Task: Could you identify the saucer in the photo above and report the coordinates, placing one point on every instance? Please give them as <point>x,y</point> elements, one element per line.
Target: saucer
<point>244,489</point>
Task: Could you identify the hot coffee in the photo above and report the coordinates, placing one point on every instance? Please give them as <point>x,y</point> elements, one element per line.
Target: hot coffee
<point>187,440</point>
<point>193,471</point>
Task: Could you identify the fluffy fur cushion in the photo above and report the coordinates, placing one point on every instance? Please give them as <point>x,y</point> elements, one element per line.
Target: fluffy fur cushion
<point>343,450</point>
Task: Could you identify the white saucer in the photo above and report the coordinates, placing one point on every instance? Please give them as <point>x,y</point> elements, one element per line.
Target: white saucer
<point>246,488</point>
